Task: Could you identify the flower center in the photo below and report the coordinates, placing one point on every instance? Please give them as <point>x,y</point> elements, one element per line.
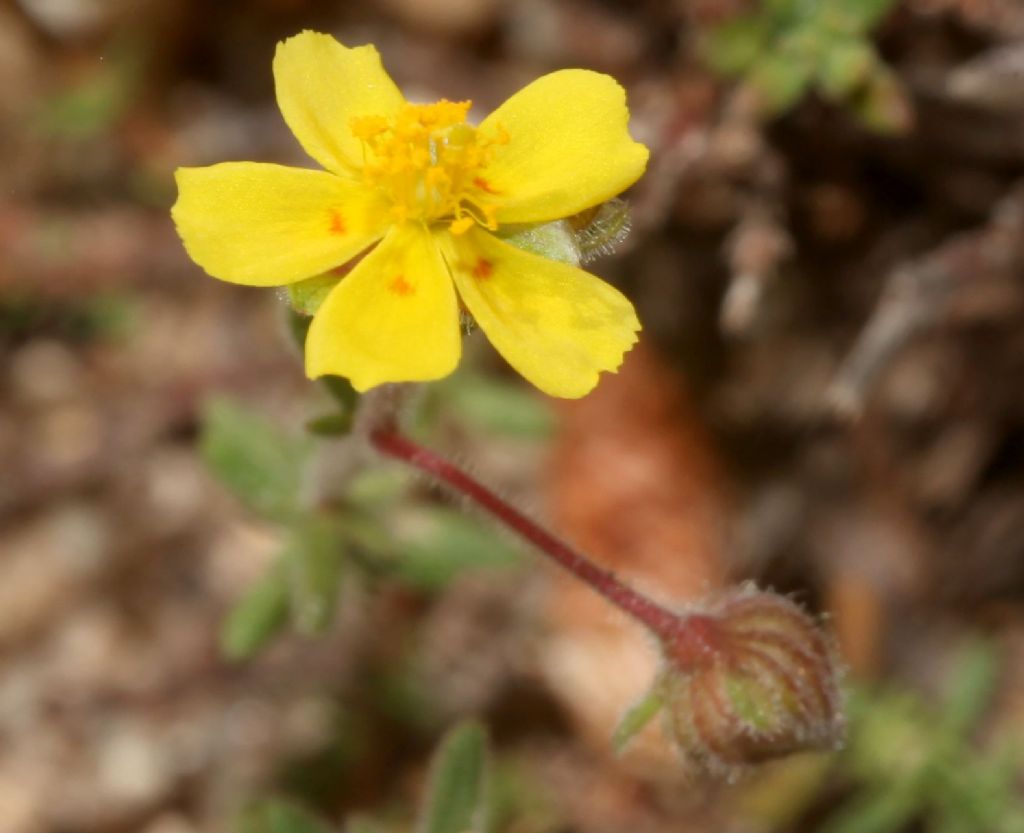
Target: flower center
<point>427,160</point>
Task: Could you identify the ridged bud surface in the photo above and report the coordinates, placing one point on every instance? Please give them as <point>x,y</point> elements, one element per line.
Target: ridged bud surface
<point>749,678</point>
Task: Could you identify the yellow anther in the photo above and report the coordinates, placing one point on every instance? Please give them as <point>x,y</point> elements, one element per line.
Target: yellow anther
<point>490,213</point>
<point>425,161</point>
<point>461,225</point>
<point>436,176</point>
<point>367,127</point>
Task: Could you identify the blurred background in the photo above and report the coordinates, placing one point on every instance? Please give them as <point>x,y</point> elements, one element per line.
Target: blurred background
<point>211,617</point>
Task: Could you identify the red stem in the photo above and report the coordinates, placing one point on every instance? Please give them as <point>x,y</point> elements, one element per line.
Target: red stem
<point>661,621</point>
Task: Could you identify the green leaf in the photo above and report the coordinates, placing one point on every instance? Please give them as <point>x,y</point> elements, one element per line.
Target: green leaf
<point>279,816</point>
<point>260,463</point>
<point>314,565</point>
<point>298,326</point>
<point>638,716</point>
<point>436,544</point>
<point>92,106</point>
<point>497,407</point>
<point>457,799</point>
<point>256,618</point>
<point>307,296</point>
<point>846,67</point>
<point>883,105</point>
<point>780,81</point>
<point>971,688</point>
<point>884,810</point>
<point>861,15</point>
<point>732,48</point>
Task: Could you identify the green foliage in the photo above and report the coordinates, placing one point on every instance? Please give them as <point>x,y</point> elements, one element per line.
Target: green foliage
<point>457,801</point>
<point>457,798</point>
<point>276,815</point>
<point>256,618</point>
<point>90,107</point>
<point>370,528</point>
<point>495,407</point>
<point>105,316</point>
<point>915,761</point>
<point>301,587</point>
<point>262,465</point>
<point>438,543</point>
<point>638,716</point>
<point>314,566</point>
<point>783,48</point>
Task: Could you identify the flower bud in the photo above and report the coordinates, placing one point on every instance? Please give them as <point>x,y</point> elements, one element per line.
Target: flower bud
<point>749,678</point>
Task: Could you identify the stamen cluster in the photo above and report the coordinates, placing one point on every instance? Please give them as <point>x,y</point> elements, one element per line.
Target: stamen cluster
<point>428,161</point>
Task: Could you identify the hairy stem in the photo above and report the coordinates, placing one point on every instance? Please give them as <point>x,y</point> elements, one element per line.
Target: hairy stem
<point>388,441</point>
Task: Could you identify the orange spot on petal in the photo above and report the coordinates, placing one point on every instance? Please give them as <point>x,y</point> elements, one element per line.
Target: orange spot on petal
<point>337,222</point>
<point>484,185</point>
<point>400,286</point>
<point>483,269</point>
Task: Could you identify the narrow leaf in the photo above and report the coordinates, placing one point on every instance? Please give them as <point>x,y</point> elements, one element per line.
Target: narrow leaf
<point>314,562</point>
<point>260,463</point>
<point>437,544</point>
<point>256,618</point>
<point>279,816</point>
<point>638,716</point>
<point>457,799</point>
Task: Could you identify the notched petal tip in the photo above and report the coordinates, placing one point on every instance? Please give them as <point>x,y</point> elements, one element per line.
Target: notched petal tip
<point>558,326</point>
<point>569,147</point>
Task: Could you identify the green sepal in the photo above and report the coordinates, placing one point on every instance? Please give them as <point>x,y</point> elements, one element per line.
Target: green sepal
<point>334,424</point>
<point>338,387</point>
<point>307,296</point>
<point>555,241</point>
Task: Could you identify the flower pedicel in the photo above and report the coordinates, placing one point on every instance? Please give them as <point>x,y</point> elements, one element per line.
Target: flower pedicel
<point>425,196</point>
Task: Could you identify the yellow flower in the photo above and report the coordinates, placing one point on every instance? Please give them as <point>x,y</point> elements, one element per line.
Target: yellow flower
<point>428,189</point>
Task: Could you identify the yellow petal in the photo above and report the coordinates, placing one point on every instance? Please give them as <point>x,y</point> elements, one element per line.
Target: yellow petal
<point>568,147</point>
<point>268,225</point>
<point>321,86</point>
<point>395,318</point>
<point>557,325</point>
